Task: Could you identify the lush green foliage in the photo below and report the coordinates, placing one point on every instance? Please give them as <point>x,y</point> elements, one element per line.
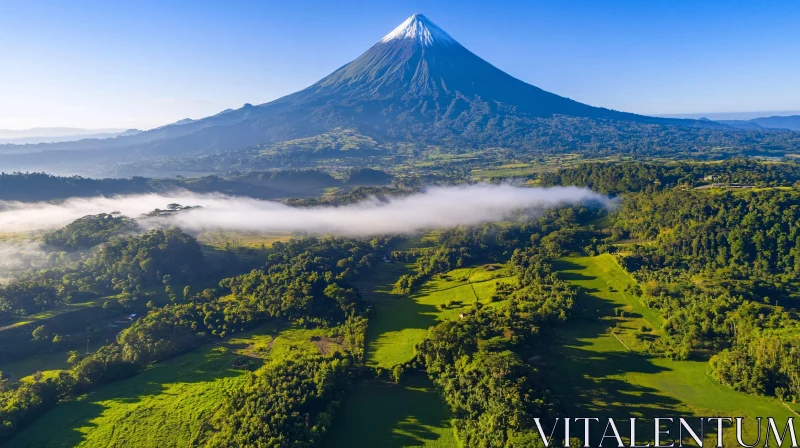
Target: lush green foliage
<point>598,363</point>
<point>479,360</point>
<point>638,176</point>
<point>123,265</point>
<point>285,404</point>
<point>746,245</point>
<point>308,278</point>
<point>89,231</point>
<point>263,185</point>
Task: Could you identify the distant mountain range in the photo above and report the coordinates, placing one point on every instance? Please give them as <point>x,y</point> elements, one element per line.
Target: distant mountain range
<point>790,122</point>
<point>58,134</point>
<point>416,84</point>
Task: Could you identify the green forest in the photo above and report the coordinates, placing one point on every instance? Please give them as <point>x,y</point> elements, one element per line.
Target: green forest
<point>691,271</point>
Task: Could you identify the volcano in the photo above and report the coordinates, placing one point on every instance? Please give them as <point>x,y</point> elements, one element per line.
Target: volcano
<point>419,69</point>
<point>416,84</point>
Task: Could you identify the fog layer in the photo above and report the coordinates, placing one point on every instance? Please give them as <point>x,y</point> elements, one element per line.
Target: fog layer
<point>437,207</point>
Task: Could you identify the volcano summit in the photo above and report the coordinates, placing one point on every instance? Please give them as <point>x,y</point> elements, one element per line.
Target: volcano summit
<point>415,84</point>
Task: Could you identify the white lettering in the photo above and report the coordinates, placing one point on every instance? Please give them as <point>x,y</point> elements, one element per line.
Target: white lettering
<point>739,425</point>
<point>659,432</point>
<point>683,424</point>
<point>779,439</point>
<point>546,440</point>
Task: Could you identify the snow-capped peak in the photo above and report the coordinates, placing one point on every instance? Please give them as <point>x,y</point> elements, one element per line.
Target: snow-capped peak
<point>419,28</point>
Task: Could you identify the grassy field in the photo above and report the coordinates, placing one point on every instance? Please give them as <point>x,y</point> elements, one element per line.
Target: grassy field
<point>594,374</point>
<point>400,322</point>
<point>254,240</point>
<point>166,405</point>
<point>70,307</point>
<point>388,415</point>
<point>44,362</point>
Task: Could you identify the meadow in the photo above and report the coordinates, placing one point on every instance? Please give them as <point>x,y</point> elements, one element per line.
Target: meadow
<point>593,373</point>
<point>167,404</point>
<point>400,322</point>
<point>389,415</point>
<point>411,413</point>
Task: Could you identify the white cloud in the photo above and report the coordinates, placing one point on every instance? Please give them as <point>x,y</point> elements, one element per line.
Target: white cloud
<point>438,207</point>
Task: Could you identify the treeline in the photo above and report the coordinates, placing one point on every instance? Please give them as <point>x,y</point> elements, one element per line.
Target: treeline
<point>748,233</point>
<point>305,281</point>
<point>763,360</point>
<point>383,194</point>
<point>161,334</point>
<point>285,404</point>
<point>558,231</point>
<point>722,268</point>
<point>309,278</point>
<point>625,177</point>
<point>89,231</point>
<point>481,362</point>
<point>261,185</point>
<point>127,265</point>
<point>46,187</point>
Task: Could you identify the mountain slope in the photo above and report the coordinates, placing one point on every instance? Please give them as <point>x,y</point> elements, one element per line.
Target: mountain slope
<point>419,71</point>
<point>416,84</point>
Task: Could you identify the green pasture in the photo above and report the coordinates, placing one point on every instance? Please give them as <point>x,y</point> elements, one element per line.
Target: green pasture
<point>594,374</point>
<point>389,415</point>
<point>166,405</point>
<point>400,322</point>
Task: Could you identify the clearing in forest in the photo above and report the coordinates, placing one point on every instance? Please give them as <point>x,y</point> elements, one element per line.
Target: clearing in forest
<point>400,322</point>
<point>165,405</point>
<point>594,374</point>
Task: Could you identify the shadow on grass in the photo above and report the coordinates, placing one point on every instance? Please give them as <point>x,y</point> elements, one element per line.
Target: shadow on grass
<point>69,423</point>
<point>386,415</point>
<point>587,368</point>
<point>392,312</point>
<point>590,380</point>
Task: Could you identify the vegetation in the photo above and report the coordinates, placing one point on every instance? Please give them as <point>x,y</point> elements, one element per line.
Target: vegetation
<point>616,178</point>
<point>90,231</point>
<point>262,185</point>
<point>127,265</point>
<point>598,363</point>
<point>681,300</point>
<point>290,403</point>
<point>171,402</point>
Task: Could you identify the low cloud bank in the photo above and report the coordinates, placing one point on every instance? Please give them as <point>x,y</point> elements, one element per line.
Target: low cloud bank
<point>20,256</point>
<point>437,207</point>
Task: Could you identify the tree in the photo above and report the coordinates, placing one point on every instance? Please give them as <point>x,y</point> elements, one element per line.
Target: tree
<point>74,357</point>
<point>39,333</point>
<point>397,373</point>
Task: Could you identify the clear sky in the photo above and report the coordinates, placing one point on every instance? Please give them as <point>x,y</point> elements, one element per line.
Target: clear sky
<point>140,64</point>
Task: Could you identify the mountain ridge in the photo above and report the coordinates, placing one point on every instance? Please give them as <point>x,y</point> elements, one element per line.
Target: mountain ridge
<point>790,122</point>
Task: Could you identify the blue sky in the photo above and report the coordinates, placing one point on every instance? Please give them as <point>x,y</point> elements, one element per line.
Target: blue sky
<point>146,63</point>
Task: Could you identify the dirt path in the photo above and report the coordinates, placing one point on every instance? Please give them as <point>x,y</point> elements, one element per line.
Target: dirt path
<point>620,341</point>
